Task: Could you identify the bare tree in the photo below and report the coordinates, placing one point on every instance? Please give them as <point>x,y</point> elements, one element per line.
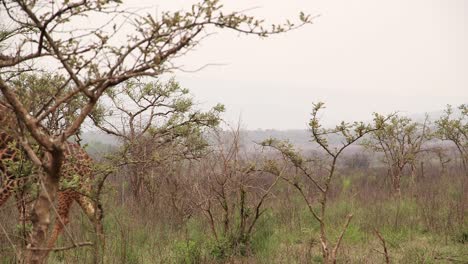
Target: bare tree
<point>41,34</point>
<point>232,191</point>
<point>384,245</point>
<point>349,133</point>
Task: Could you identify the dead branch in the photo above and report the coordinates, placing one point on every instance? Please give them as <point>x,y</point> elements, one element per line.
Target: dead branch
<point>384,245</point>
<point>56,249</point>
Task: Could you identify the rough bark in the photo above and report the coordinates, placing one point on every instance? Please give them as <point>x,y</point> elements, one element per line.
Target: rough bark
<point>41,213</point>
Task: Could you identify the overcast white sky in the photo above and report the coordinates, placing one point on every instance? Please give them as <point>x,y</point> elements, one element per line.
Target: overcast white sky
<point>360,56</point>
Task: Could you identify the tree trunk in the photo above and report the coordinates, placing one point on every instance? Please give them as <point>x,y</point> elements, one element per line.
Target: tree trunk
<point>99,239</point>
<point>413,173</point>
<point>422,169</point>
<point>395,172</point>
<point>397,185</point>
<point>41,219</point>
<point>41,213</point>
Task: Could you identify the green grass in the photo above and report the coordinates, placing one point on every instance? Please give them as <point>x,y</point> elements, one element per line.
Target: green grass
<point>403,224</point>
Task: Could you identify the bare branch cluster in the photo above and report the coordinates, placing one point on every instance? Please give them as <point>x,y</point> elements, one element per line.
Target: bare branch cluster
<point>233,192</point>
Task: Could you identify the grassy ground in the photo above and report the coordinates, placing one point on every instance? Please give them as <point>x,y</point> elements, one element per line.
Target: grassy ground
<point>428,225</point>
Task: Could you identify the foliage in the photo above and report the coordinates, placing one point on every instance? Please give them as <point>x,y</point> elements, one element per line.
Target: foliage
<point>455,129</point>
<point>159,125</point>
<point>37,90</point>
<point>400,139</point>
<point>162,112</point>
<point>188,252</point>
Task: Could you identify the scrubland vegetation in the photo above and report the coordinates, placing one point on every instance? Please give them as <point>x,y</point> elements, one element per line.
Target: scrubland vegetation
<point>182,186</point>
<point>227,204</point>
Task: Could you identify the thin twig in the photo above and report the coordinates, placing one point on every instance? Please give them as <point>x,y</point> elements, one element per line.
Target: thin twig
<point>82,244</point>
<point>345,227</point>
<point>384,244</point>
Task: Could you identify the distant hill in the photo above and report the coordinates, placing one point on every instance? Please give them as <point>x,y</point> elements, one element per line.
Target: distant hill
<point>101,137</point>
<point>300,138</point>
<point>98,144</point>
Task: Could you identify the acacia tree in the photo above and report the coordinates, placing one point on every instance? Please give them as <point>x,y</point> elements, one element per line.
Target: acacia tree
<point>44,36</point>
<point>455,129</point>
<point>157,123</point>
<point>306,176</point>
<point>400,140</point>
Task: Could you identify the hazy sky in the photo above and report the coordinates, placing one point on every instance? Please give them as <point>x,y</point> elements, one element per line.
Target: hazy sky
<point>358,57</point>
